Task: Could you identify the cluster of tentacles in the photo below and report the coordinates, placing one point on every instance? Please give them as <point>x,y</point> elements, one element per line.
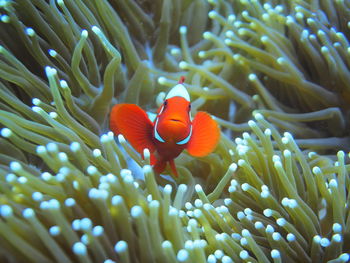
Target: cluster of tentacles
<point>275,76</point>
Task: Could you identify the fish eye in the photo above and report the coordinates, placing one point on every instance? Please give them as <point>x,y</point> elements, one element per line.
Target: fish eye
<point>189,107</point>
<point>165,103</point>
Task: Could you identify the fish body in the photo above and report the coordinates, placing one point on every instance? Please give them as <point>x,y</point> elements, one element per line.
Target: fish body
<point>172,131</point>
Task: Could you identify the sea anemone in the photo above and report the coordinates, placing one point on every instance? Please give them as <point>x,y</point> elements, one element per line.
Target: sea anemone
<point>274,74</point>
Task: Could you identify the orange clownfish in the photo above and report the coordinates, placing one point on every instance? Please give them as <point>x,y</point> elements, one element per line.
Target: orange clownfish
<point>172,131</point>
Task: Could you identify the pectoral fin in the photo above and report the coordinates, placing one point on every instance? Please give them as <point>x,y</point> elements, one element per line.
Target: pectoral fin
<point>133,123</point>
<point>205,135</point>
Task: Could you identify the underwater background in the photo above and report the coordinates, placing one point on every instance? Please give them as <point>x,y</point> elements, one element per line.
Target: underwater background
<point>274,75</point>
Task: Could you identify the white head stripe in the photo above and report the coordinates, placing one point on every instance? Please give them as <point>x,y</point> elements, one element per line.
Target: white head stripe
<point>161,110</point>
<point>187,139</point>
<point>190,116</point>
<point>180,91</point>
<point>156,134</point>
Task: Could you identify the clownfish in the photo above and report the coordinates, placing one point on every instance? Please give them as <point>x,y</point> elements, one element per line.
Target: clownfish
<point>172,131</point>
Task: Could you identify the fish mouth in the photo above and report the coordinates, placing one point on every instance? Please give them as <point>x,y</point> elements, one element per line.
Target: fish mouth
<point>176,122</point>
